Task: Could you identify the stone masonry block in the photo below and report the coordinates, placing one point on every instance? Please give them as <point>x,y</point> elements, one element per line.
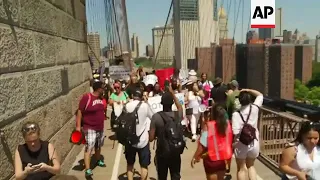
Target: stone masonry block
<point>71,28</point>
<point>46,49</point>
<point>69,6</point>
<point>75,75</point>
<point>63,52</point>
<point>80,10</point>
<point>48,118</point>
<point>16,49</point>
<point>11,6</point>
<point>12,96</point>
<point>42,86</point>
<point>61,4</point>
<point>83,52</point>
<point>76,94</point>
<point>61,139</point>
<point>65,112</point>
<point>70,158</point>
<point>87,72</point>
<point>73,51</point>
<point>6,167</point>
<point>41,16</point>
<point>12,138</point>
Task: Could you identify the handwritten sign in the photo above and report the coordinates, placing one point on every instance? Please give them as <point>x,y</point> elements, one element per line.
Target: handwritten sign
<point>119,72</point>
<point>156,106</point>
<point>150,79</point>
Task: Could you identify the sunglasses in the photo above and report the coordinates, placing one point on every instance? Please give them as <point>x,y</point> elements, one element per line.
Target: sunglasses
<point>30,128</point>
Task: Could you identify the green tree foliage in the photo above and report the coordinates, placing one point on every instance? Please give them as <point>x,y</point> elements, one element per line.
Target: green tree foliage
<point>303,93</point>
<point>148,62</point>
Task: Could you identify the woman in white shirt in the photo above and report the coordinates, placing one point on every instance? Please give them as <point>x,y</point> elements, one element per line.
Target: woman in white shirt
<point>193,102</point>
<point>300,160</point>
<point>246,154</point>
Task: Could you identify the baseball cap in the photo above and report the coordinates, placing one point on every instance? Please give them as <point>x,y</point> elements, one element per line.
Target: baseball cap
<point>167,99</point>
<point>137,93</point>
<point>234,83</point>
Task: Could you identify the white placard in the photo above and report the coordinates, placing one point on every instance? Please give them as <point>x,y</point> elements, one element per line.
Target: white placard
<point>156,106</point>
<point>119,72</point>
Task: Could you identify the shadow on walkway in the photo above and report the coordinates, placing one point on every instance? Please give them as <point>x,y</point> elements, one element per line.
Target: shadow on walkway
<point>123,176</point>
<point>80,165</point>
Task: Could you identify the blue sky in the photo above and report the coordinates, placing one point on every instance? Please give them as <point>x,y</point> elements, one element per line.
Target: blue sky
<point>143,15</point>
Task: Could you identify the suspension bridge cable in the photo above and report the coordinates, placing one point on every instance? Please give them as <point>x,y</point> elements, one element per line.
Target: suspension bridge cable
<point>242,22</point>
<point>234,32</point>
<point>163,33</point>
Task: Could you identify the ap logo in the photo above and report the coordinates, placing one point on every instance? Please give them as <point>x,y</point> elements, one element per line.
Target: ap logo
<point>263,14</point>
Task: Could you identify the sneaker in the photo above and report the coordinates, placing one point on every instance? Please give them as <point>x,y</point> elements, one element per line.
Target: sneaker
<point>100,163</point>
<point>88,173</point>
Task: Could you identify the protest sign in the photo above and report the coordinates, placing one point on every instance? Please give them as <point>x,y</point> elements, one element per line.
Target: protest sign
<point>156,106</point>
<point>119,72</point>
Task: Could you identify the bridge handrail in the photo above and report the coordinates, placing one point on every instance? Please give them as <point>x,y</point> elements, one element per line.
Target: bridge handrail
<point>276,129</point>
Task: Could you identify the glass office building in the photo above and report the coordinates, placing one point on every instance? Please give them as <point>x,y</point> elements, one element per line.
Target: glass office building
<point>189,10</point>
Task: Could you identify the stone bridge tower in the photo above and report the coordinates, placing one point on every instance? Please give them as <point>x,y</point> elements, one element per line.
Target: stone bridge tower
<point>44,70</point>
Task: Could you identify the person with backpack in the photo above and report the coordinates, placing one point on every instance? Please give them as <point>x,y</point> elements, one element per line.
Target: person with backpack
<point>245,130</point>
<point>215,143</point>
<point>132,131</point>
<point>167,128</point>
<point>91,116</point>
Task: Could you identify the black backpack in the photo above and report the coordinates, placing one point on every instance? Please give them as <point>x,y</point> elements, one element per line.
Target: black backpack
<point>248,132</point>
<point>172,140</point>
<point>126,126</point>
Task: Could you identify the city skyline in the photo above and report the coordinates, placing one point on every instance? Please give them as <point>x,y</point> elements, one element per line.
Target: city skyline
<point>143,18</point>
<point>141,22</point>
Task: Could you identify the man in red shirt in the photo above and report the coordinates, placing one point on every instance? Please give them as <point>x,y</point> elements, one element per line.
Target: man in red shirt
<point>92,111</point>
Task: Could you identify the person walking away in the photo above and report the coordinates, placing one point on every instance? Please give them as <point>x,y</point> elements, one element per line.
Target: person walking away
<point>204,81</point>
<point>300,160</point>
<point>167,128</point>
<point>117,100</point>
<point>92,109</point>
<point>219,92</point>
<point>216,157</point>
<point>245,130</point>
<point>35,159</point>
<point>233,103</point>
<point>144,113</point>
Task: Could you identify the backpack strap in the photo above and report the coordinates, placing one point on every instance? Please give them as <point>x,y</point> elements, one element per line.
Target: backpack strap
<point>245,122</point>
<point>164,117</point>
<point>89,100</point>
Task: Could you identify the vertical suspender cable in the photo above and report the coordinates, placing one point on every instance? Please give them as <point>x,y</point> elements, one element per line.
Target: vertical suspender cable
<point>163,32</point>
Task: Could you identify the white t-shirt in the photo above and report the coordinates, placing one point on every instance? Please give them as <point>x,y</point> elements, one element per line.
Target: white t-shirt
<point>207,82</point>
<point>144,114</point>
<point>237,122</point>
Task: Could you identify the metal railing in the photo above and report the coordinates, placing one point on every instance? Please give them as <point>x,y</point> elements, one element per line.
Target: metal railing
<point>276,130</point>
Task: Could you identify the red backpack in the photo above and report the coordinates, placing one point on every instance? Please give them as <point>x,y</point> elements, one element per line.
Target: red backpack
<point>248,132</point>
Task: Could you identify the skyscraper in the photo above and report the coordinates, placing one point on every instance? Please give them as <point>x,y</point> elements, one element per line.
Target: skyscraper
<point>278,30</point>
<point>165,54</point>
<point>223,23</point>
<point>94,49</point>
<point>149,50</point>
<point>266,33</point>
<point>195,25</point>
<point>135,46</point>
